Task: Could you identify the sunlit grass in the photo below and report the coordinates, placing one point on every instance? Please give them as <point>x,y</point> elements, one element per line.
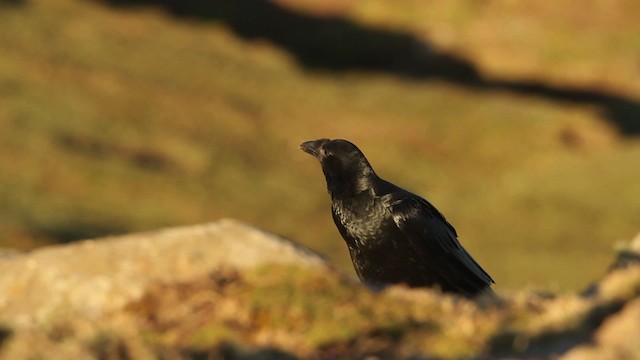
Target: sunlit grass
<point>122,120</point>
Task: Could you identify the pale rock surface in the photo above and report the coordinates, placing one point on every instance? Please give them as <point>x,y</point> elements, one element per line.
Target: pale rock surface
<point>94,277</point>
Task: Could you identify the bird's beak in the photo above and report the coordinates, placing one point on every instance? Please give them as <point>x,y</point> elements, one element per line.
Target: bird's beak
<point>313,147</point>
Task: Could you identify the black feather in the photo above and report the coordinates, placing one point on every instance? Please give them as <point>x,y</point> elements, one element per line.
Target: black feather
<point>393,235</point>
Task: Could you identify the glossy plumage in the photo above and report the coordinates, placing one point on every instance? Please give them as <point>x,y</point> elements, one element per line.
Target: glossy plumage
<point>393,235</point>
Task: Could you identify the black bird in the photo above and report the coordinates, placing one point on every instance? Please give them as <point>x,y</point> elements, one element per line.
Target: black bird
<point>393,236</point>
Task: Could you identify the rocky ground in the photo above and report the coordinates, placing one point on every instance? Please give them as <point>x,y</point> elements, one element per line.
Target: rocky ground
<point>229,291</point>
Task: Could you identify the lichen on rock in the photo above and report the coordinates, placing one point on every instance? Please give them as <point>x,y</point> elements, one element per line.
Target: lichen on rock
<point>227,290</point>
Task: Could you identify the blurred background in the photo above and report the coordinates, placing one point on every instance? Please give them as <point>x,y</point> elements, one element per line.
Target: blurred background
<point>518,119</point>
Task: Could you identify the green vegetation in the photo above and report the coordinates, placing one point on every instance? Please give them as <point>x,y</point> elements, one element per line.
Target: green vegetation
<point>291,312</point>
<point>123,119</point>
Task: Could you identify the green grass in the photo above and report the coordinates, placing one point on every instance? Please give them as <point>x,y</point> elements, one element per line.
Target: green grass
<point>123,120</point>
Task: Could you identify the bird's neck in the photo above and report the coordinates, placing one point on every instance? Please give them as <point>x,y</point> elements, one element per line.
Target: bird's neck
<point>347,185</point>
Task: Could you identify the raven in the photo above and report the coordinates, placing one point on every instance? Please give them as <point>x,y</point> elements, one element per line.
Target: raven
<point>393,235</point>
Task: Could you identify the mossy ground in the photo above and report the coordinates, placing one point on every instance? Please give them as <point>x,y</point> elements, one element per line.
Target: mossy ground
<point>284,313</point>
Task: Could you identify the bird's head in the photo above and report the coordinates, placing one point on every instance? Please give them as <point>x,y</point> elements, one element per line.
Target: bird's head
<point>345,167</point>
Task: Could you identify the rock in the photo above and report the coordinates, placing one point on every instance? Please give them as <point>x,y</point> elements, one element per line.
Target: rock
<point>628,254</point>
<point>626,322</point>
<point>229,291</point>
<point>94,277</point>
<point>617,338</point>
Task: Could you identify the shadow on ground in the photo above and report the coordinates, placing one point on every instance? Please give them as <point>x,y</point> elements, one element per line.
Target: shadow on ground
<point>66,232</point>
<point>12,2</point>
<point>338,44</point>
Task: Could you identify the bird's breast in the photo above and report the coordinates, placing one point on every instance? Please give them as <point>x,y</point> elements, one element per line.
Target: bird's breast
<point>361,222</point>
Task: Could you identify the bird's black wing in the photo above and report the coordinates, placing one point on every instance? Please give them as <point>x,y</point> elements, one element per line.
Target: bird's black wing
<point>427,229</point>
